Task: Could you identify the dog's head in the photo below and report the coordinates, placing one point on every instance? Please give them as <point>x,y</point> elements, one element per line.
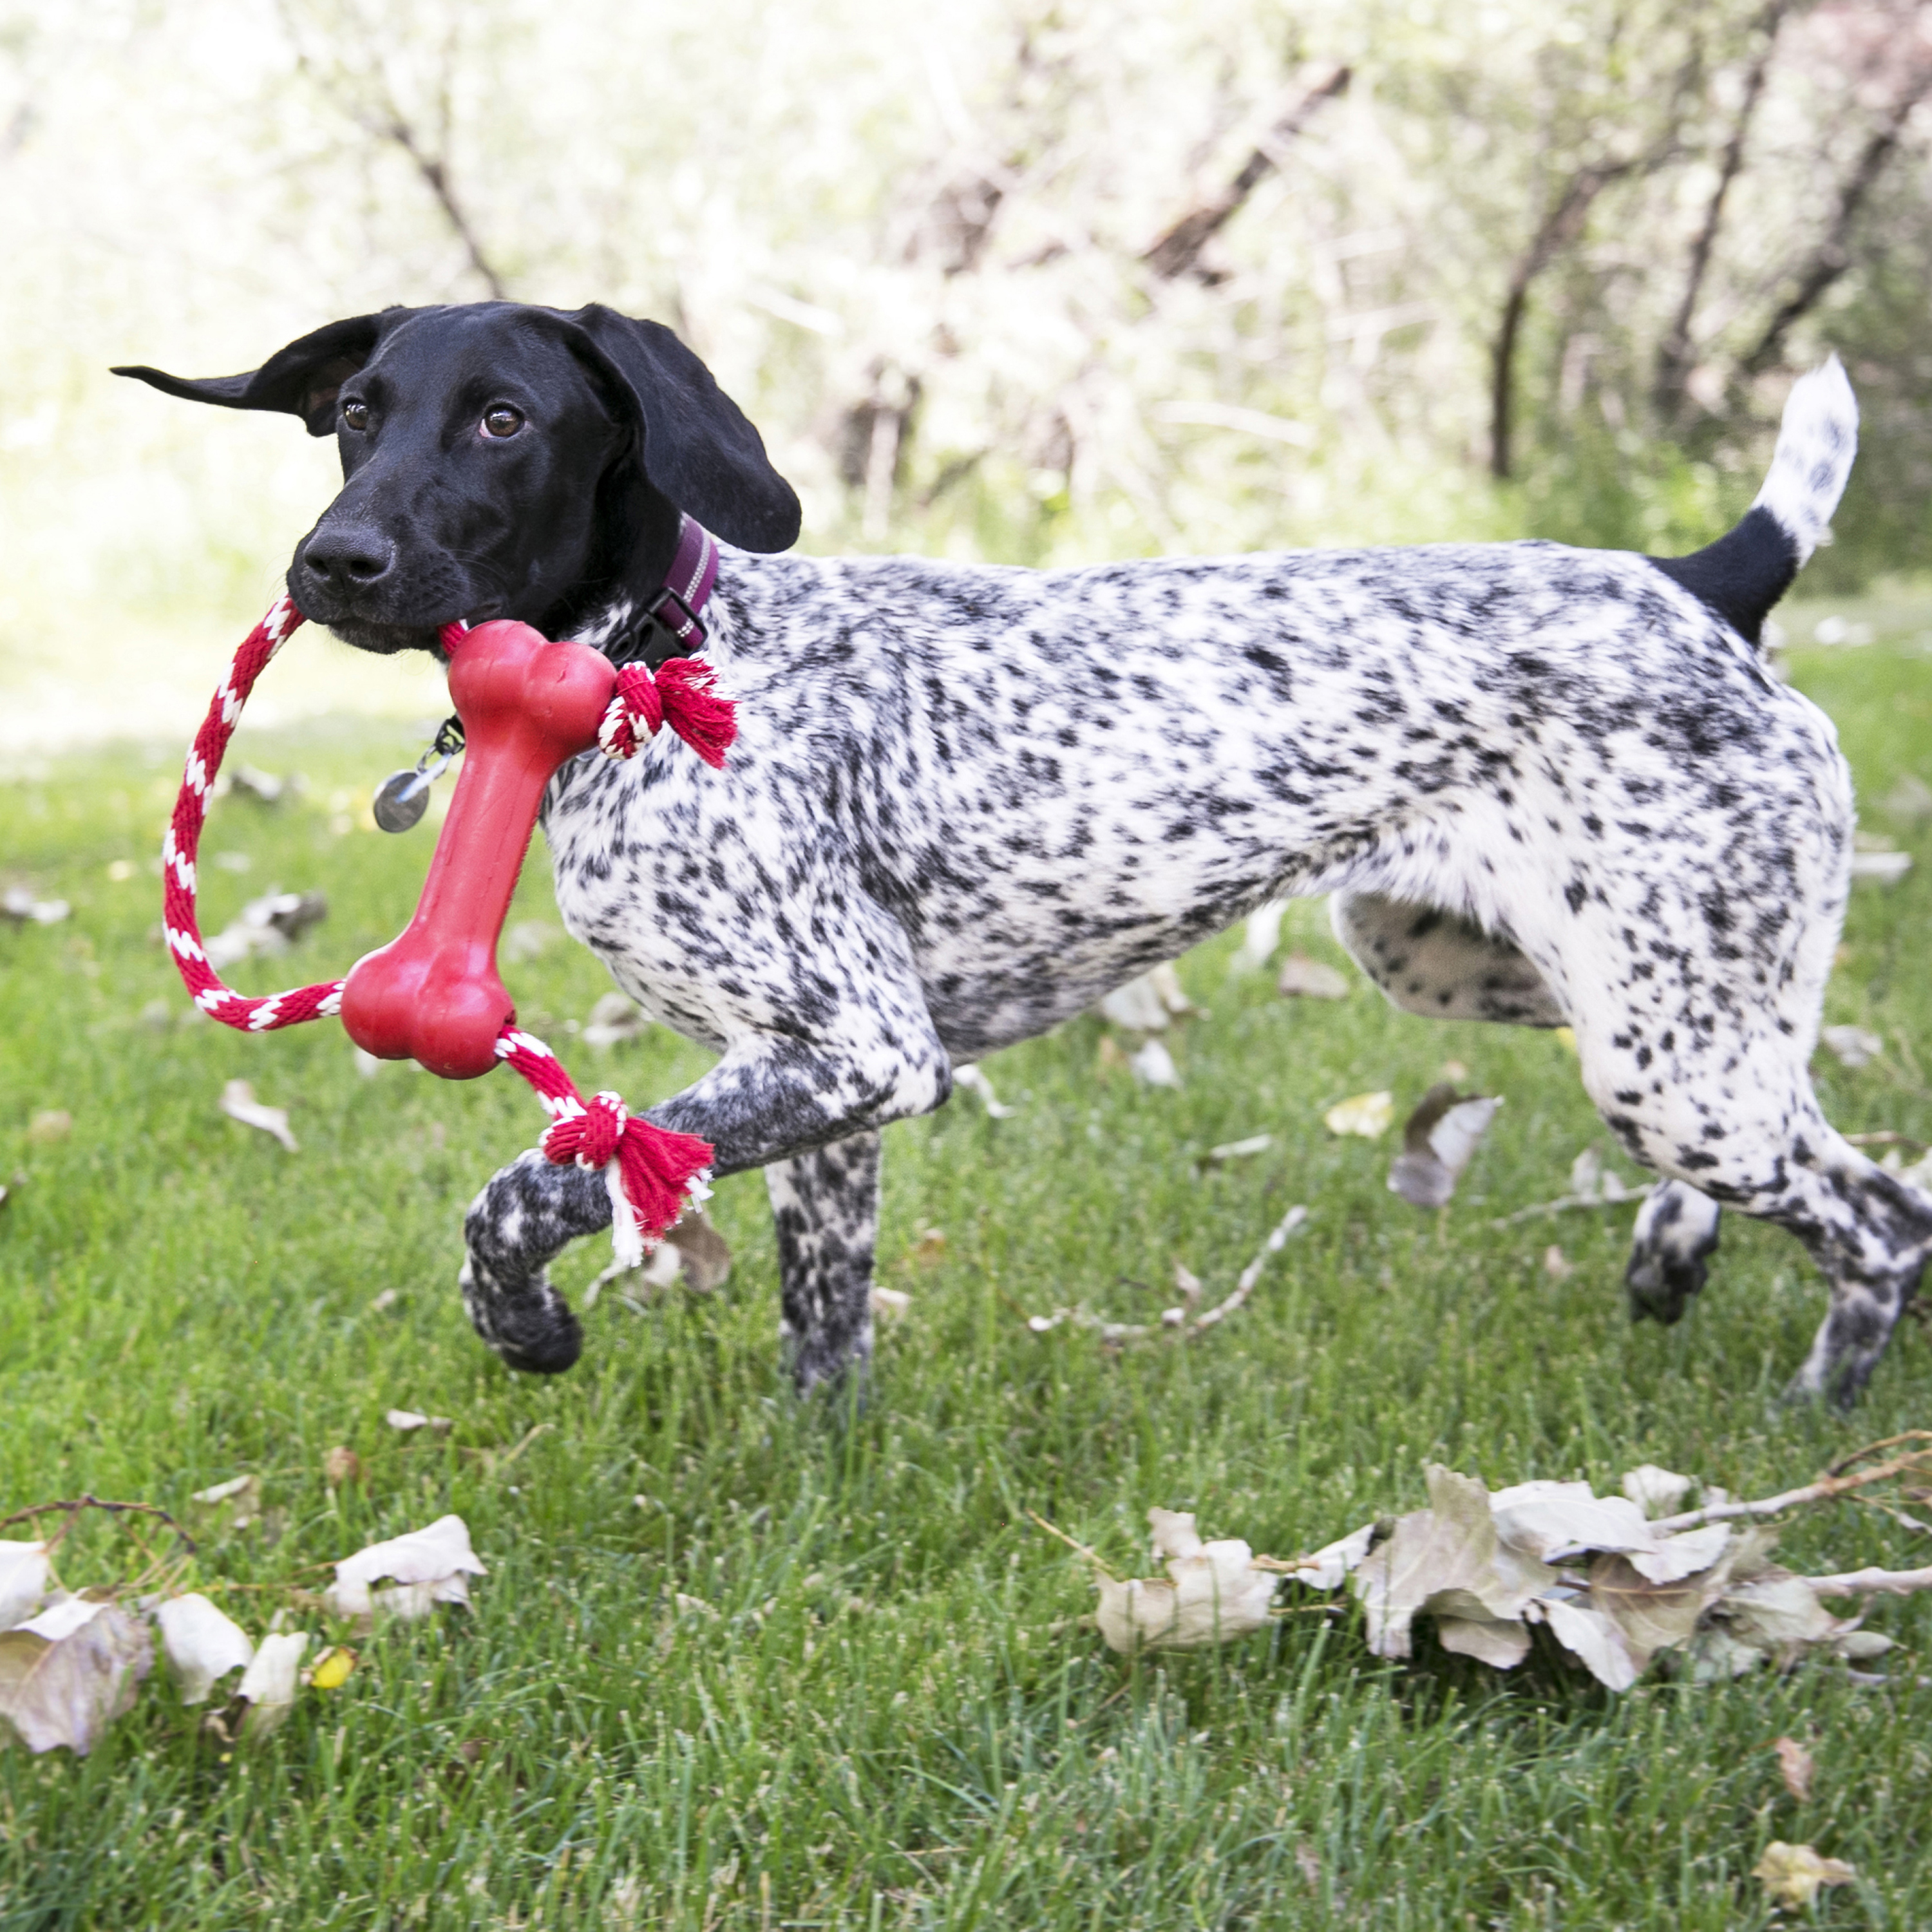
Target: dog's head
<point>504,460</point>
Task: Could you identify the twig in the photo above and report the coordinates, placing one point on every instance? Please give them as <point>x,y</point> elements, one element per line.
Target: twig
<point>1080,1549</point>
<point>1823,1490</point>
<point>1251,1274</point>
<point>1565,1201</point>
<point>74,1505</point>
<point>1866,1582</point>
<point>1844,1462</point>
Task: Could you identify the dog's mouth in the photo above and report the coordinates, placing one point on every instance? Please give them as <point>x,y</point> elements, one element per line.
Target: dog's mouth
<point>385,638</point>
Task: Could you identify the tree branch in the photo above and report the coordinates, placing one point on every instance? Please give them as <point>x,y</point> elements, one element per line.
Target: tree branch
<point>1179,248</point>
<point>1674,358</point>
<point>1832,256</point>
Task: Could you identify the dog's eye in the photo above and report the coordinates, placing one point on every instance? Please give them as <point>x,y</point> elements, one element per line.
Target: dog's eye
<point>355,415</point>
<point>503,421</point>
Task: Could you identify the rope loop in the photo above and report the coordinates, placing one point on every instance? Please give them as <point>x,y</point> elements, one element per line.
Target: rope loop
<point>682,695</point>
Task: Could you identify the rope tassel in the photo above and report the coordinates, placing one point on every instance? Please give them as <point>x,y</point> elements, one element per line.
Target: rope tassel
<point>682,695</point>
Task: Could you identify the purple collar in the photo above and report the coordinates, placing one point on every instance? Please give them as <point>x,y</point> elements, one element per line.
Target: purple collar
<point>678,607</point>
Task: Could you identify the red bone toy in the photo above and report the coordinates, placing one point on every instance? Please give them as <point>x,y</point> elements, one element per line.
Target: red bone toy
<point>434,994</point>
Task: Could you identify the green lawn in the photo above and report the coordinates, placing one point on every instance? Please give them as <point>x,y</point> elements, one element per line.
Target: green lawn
<point>890,1719</point>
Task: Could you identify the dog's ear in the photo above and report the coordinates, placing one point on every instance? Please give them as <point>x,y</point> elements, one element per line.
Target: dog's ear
<point>301,380</point>
<point>698,447</point>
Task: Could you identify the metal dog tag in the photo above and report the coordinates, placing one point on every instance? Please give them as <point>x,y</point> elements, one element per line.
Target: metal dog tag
<point>403,797</point>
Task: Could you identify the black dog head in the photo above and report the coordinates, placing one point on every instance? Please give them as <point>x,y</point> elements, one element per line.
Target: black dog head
<point>504,460</point>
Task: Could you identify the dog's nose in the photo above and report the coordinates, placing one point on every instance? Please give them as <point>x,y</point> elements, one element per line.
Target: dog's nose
<point>348,558</point>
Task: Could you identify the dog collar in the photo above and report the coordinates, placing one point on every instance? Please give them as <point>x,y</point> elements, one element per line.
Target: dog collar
<point>679,608</point>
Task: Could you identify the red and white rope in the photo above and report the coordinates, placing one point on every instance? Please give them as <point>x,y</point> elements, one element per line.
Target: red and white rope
<point>653,1174</point>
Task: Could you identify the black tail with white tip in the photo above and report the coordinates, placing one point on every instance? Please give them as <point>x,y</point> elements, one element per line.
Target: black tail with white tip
<point>1748,569</point>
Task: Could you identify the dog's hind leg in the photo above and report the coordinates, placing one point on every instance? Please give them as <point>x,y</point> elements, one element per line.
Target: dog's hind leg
<point>826,1206</point>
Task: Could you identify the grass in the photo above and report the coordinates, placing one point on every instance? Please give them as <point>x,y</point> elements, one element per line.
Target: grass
<point>883,1717</point>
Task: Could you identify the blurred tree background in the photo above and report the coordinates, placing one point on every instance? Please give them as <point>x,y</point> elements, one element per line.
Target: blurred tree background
<point>1037,280</point>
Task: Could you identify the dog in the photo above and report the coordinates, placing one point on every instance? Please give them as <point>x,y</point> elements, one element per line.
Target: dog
<point>1543,785</point>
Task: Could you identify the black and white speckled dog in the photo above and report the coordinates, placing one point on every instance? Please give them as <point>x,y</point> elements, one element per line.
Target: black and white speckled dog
<point>1543,785</point>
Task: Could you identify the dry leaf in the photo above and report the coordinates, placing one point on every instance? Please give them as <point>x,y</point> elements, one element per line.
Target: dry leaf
<point>1556,1265</point>
<point>1654,1491</point>
<point>19,905</point>
<point>427,1567</point>
<point>244,1491</point>
<point>1154,1065</point>
<point>1136,1007</point>
<point>23,1580</point>
<point>1503,1641</point>
<point>1259,937</point>
<point>1229,1150</point>
<point>1306,979</point>
<point>703,1252</point>
<point>270,925</point>
<point>1792,1874</point>
<point>615,1019</point>
<point>1593,1639</point>
<point>1796,1766</point>
<point>341,1465</point>
<point>238,1103</point>
<point>331,1668</point>
<point>408,1420</point>
<point>200,1644</point>
<point>1439,1140</point>
<point>1854,1046</point>
<point>1212,1593</point>
<point>1368,1114</point>
<point>72,1670</point>
<point>972,1078</point>
<point>1326,1569</point>
<point>50,1125</point>
<point>269,1684</point>
<point>890,1301</point>
<point>1448,1560</point>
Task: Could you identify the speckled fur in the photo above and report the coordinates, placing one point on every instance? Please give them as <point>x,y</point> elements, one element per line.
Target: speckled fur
<point>1542,784</point>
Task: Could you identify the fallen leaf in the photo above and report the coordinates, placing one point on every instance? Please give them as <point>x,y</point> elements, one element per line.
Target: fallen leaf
<point>1302,978</point>
<point>341,1465</point>
<point>1154,1065</point>
<point>71,1671</point>
<point>407,1420</point>
<point>330,1670</point>
<point>1109,1055</point>
<point>530,939</point>
<point>1593,1639</point>
<point>1259,937</point>
<point>1887,867</point>
<point>381,1303</point>
<point>1438,1141</point>
<point>1136,1007</point>
<point>1778,1613</point>
<point>23,1580</point>
<point>1230,1150</point>
<point>427,1567</point>
<point>269,1684</point>
<point>1368,1115</point>
<point>1797,1767</point>
<point>1656,1492</point>
<point>1792,1874</point>
<point>892,1302</point>
<point>1854,1046</point>
<point>1168,990</point>
<point>1447,1559</point>
<point>972,1078</point>
<point>19,905</point>
<point>693,1606</point>
<point>1326,1569</point>
<point>615,1019</point>
<point>244,1491</point>
<point>1212,1592</point>
<point>929,1250</point>
<point>200,1643</point>
<point>238,1103</point>
<point>269,925</point>
<point>703,1252</point>
<point>50,1125</point>
<point>1556,1265</point>
<point>1503,1641</point>
<point>265,787</point>
<point>1566,1036</point>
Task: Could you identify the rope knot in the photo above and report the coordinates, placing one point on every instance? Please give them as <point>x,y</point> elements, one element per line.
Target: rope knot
<point>683,696</point>
<point>589,1135</point>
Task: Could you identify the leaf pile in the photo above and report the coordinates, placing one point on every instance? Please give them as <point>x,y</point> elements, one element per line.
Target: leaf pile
<point>71,1663</point>
<point>1619,1589</point>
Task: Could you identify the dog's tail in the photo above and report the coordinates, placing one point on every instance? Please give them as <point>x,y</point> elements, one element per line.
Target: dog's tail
<point>1748,569</point>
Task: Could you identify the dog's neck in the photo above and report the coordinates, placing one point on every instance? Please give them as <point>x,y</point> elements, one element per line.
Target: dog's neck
<point>613,614</point>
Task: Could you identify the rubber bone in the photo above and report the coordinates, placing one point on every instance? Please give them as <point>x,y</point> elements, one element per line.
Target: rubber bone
<point>434,995</point>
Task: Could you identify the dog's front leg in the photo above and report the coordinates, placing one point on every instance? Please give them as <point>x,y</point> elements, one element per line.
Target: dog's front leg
<point>813,1106</point>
